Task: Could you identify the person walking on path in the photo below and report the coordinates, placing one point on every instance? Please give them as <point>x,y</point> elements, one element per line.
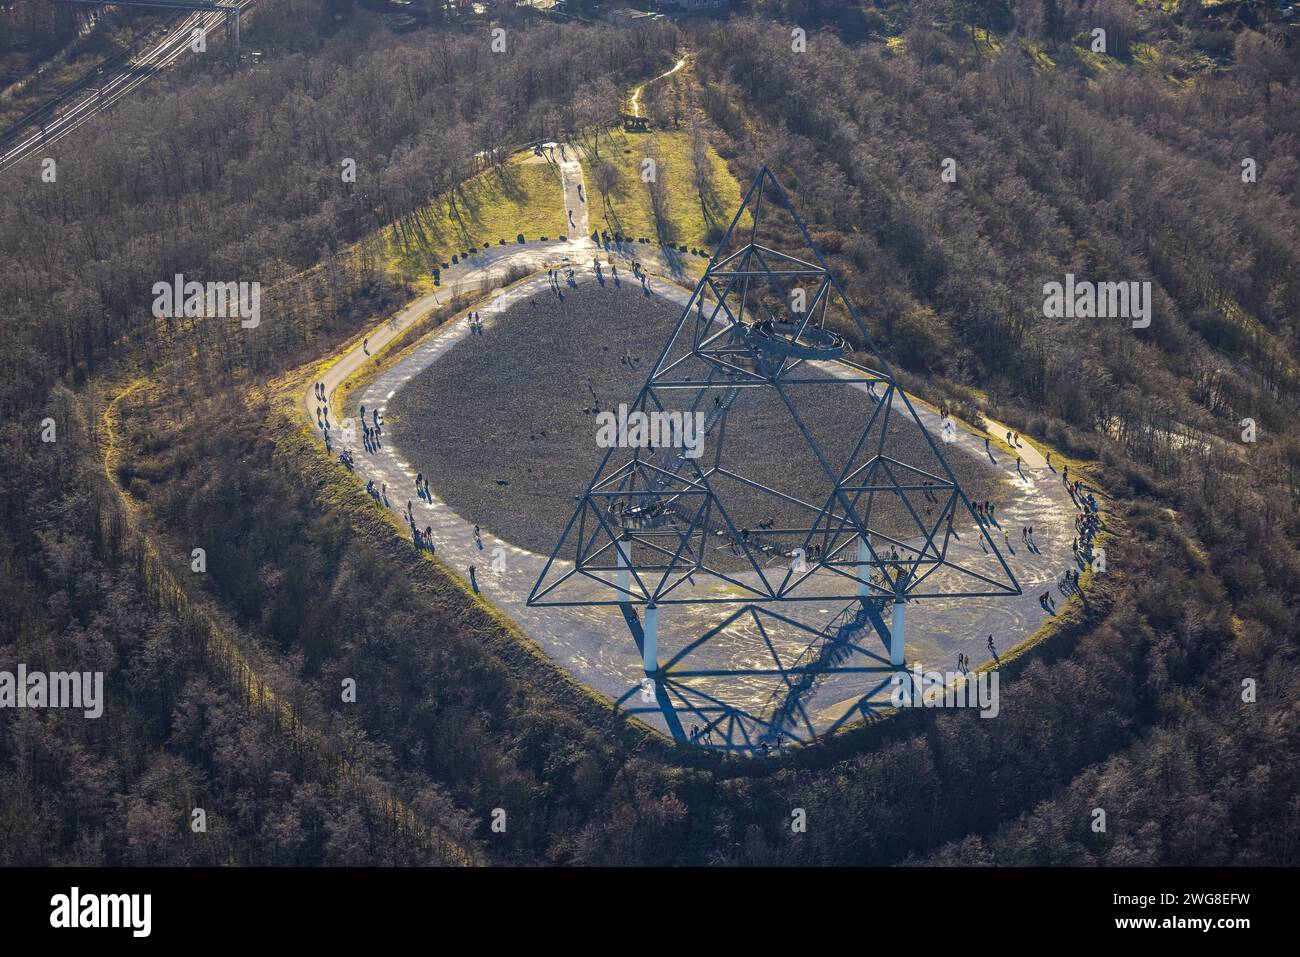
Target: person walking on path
<point>994,652</point>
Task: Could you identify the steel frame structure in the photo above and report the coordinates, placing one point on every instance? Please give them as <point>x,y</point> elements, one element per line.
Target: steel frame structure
<point>846,646</point>
<point>641,530</point>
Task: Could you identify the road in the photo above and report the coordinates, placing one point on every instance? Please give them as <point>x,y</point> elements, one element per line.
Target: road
<point>125,80</point>
<point>636,94</point>
<point>575,191</point>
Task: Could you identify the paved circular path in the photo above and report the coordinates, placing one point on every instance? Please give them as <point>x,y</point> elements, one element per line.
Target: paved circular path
<point>738,682</point>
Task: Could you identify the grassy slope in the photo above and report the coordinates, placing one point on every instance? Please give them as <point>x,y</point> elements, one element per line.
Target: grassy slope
<point>522,196</point>
<point>629,211</point>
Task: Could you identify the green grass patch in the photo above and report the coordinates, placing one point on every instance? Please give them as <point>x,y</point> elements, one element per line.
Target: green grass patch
<point>688,215</point>
<point>523,195</point>
<point>990,39</point>
<point>1037,51</point>
<point>1096,63</point>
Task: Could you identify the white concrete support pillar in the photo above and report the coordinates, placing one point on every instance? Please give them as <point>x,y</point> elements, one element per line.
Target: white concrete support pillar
<point>650,640</point>
<point>624,574</point>
<point>234,15</point>
<point>896,633</point>
<point>864,567</point>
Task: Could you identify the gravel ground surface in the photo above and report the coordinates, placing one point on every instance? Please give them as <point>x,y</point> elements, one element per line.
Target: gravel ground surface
<point>504,425</point>
<point>736,679</point>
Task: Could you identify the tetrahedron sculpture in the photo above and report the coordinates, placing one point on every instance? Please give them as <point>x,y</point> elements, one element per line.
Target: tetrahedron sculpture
<point>774,362</point>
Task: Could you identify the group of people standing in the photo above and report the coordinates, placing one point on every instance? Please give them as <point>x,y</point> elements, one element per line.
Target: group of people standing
<point>423,539</point>
<point>370,431</point>
<point>1087,520</point>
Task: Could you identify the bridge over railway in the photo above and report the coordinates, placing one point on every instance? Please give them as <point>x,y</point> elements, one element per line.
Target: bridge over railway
<point>118,78</point>
<point>230,9</point>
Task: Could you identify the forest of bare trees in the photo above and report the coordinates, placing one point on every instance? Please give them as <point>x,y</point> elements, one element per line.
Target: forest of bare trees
<point>236,174</point>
